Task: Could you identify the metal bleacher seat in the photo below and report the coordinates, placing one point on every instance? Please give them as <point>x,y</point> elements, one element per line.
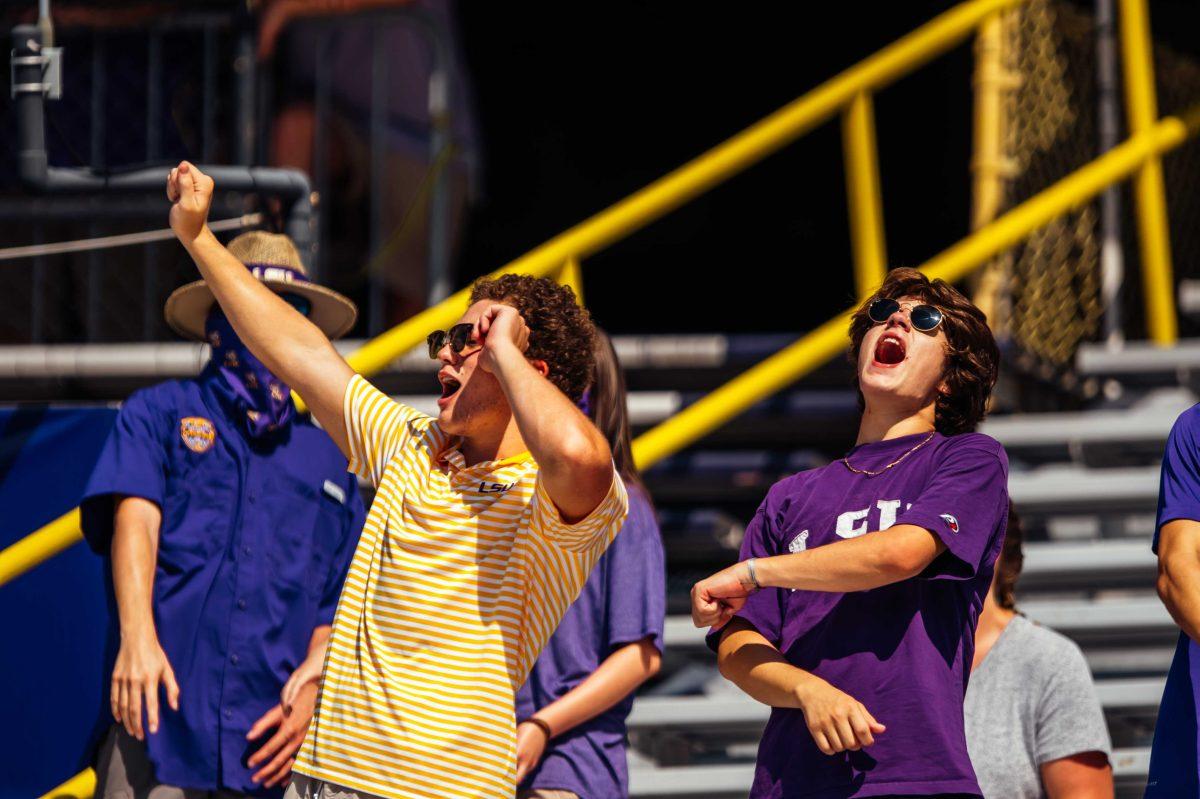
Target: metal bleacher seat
<point>1088,621</point>
<point>733,779</point>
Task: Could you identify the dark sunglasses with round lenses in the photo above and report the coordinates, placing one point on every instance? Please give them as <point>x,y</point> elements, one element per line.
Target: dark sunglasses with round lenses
<point>459,337</point>
<point>925,318</point>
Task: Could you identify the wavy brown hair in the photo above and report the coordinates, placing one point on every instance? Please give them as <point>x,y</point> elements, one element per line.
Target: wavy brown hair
<point>1010,562</point>
<point>561,332</point>
<point>608,408</point>
<point>972,357</point>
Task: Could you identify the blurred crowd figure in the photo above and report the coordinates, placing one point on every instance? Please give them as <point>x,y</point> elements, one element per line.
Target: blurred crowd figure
<point>293,40</point>
<point>409,167</point>
<point>1035,727</point>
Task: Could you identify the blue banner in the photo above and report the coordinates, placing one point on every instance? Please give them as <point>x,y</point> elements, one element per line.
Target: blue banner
<point>56,618</point>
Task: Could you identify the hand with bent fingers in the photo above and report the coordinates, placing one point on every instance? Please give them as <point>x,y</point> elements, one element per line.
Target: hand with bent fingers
<point>500,324</point>
<point>190,192</point>
<point>531,746</point>
<point>715,599</point>
<point>307,672</point>
<point>141,666</point>
<point>837,721</point>
<point>279,752</point>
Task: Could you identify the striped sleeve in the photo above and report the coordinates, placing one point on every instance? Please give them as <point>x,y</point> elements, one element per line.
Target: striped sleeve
<point>377,428</point>
<point>596,530</point>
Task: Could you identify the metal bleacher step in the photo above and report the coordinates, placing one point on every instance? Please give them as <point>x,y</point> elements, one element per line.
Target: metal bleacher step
<point>1141,360</point>
<point>728,780</point>
<point>1088,565</point>
<point>740,712</point>
<point>1126,621</point>
<point>1132,435</point>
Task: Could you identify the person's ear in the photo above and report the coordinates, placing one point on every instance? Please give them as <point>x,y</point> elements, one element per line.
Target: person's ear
<point>542,367</point>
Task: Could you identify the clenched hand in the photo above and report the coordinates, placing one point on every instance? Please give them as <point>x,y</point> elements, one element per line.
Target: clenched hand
<point>715,599</point>
<point>836,720</point>
<point>190,192</point>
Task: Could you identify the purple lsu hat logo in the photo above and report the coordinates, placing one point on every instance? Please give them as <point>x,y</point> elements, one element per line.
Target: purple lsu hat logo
<point>277,274</point>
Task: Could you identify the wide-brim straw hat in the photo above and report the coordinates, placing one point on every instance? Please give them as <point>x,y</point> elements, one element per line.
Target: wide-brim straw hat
<point>274,260</point>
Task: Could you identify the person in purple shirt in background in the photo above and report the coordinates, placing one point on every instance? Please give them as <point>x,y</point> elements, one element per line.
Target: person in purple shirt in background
<point>571,711</point>
<point>1175,755</point>
<point>228,522</point>
<point>852,612</point>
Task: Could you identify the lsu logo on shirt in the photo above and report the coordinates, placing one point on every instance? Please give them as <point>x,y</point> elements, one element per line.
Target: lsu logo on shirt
<point>198,433</point>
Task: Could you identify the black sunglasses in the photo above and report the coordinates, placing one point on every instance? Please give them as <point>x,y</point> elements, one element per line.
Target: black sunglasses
<point>925,318</point>
<point>459,337</point>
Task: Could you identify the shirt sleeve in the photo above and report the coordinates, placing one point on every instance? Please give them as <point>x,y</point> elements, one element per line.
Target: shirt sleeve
<point>594,531</point>
<point>964,504</point>
<point>636,594</point>
<point>133,463</point>
<point>1179,480</point>
<point>1070,720</point>
<point>353,517</point>
<point>377,428</point>
<point>764,608</point>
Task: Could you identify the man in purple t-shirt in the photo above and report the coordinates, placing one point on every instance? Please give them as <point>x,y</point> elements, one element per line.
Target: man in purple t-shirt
<point>852,611</point>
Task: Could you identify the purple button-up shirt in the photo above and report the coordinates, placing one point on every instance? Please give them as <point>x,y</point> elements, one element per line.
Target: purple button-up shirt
<point>255,542</point>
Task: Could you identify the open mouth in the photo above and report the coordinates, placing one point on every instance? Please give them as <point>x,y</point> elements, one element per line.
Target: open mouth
<point>450,386</point>
<point>889,350</point>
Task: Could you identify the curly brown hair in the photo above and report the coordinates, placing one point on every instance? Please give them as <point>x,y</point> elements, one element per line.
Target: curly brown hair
<point>972,357</point>
<point>561,332</point>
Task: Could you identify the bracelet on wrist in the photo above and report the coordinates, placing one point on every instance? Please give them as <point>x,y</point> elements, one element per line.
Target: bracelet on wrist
<point>541,725</point>
<point>753,575</point>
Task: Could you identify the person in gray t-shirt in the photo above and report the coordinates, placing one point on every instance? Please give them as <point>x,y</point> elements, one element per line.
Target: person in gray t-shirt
<point>1034,724</point>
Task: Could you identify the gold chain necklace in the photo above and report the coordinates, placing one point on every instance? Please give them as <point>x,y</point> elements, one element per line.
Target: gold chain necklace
<point>868,473</point>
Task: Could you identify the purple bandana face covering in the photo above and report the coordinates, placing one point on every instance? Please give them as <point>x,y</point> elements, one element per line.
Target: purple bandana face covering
<point>266,400</point>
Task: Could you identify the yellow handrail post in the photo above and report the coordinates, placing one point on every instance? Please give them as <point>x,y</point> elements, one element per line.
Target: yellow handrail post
<point>42,545</point>
<point>863,194</point>
<point>1137,52</point>
<point>571,275</point>
<point>989,168</point>
<point>81,786</point>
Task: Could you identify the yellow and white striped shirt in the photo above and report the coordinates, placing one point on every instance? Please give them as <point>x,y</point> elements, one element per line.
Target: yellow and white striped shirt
<point>461,575</point>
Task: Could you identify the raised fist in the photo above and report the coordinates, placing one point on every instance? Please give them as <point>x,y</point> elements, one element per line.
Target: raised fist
<point>190,192</point>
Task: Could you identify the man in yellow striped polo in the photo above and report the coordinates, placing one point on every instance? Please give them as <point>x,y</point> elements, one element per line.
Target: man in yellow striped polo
<point>485,524</point>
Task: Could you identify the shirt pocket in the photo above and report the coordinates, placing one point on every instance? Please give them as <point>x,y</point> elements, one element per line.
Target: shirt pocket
<point>307,530</point>
<point>199,509</point>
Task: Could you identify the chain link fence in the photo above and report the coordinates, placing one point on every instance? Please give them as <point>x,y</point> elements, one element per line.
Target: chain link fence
<point>1048,289</point>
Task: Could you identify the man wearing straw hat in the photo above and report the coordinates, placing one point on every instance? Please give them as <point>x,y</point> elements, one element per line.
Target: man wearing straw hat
<point>229,522</point>
<point>486,523</point>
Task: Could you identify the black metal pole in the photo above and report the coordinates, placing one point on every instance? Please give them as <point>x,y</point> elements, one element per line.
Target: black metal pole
<point>28,103</point>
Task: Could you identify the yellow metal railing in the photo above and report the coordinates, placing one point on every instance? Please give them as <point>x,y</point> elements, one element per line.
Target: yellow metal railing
<point>849,94</point>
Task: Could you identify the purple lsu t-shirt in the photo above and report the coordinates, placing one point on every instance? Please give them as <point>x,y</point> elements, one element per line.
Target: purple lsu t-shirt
<point>903,650</point>
<point>623,600</point>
